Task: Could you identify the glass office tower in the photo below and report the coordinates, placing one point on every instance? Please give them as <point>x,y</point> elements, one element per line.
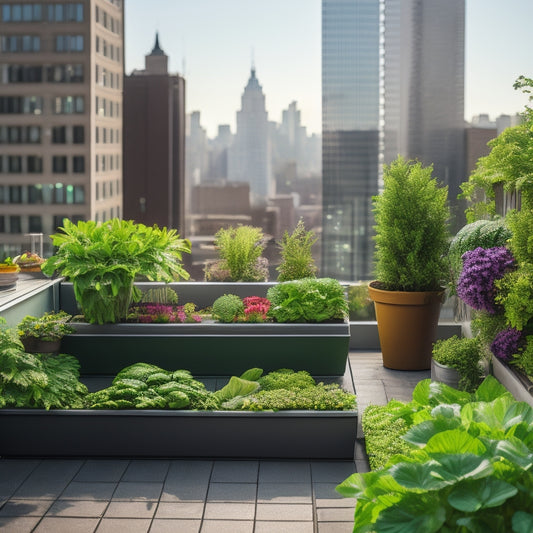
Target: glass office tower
<point>350,129</point>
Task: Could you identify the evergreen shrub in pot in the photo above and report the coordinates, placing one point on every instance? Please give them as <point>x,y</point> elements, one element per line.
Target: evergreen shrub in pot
<point>412,240</point>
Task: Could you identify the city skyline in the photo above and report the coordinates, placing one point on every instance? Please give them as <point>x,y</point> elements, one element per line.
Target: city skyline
<point>288,61</point>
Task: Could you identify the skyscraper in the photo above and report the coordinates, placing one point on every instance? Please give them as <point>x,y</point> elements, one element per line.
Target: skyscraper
<point>350,134</point>
<point>61,69</point>
<point>424,86</point>
<point>154,144</point>
<point>249,156</point>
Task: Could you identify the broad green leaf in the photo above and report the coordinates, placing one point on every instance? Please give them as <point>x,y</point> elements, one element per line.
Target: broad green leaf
<point>253,374</point>
<point>471,496</point>
<point>522,522</point>
<point>417,476</point>
<point>485,523</point>
<point>517,413</point>
<point>236,387</point>
<point>369,485</point>
<point>447,411</point>
<point>421,392</point>
<point>420,434</point>
<point>452,468</point>
<point>414,514</point>
<point>511,449</point>
<point>454,441</point>
<point>490,389</point>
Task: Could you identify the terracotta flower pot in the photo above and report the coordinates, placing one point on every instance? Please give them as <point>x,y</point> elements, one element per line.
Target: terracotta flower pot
<point>407,326</point>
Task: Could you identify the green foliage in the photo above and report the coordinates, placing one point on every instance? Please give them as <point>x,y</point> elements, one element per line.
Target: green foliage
<point>49,327</point>
<point>482,233</point>
<point>103,259</point>
<point>160,295</point>
<point>485,326</point>
<point>383,431</point>
<point>227,308</point>
<point>34,381</point>
<point>470,470</point>
<point>308,300</point>
<point>284,378</point>
<point>360,305</point>
<point>411,229</point>
<point>464,354</point>
<point>296,256</point>
<point>521,243</point>
<point>320,397</point>
<point>515,294</point>
<point>240,250</point>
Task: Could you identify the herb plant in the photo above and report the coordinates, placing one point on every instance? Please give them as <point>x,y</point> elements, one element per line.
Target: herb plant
<point>464,355</point>
<point>160,295</point>
<point>228,308</point>
<point>240,252</point>
<point>308,300</point>
<point>296,255</point>
<point>411,229</point>
<point>50,327</point>
<point>103,259</point>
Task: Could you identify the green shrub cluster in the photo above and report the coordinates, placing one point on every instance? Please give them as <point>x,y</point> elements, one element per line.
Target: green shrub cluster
<point>411,229</point>
<point>470,466</point>
<point>296,254</point>
<point>308,300</point>
<point>284,378</point>
<point>35,380</point>
<point>160,295</point>
<point>227,308</point>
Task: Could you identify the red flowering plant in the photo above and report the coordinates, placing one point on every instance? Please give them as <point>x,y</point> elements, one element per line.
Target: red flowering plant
<point>256,309</point>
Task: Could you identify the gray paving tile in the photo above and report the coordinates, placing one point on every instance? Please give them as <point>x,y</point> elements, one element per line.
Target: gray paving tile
<point>335,527</point>
<point>85,509</point>
<point>18,524</point>
<point>235,471</point>
<point>284,512</point>
<point>138,491</point>
<point>326,491</point>
<point>25,508</point>
<point>66,525</point>
<point>229,511</point>
<point>48,479</point>
<point>332,514</point>
<point>146,470</point>
<point>334,471</point>
<point>175,526</point>
<point>232,492</point>
<point>284,493</point>
<point>283,527</point>
<point>13,472</point>
<point>184,491</point>
<point>180,510</point>
<point>131,509</point>
<point>228,526</point>
<point>284,471</point>
<point>189,470</point>
<point>88,490</point>
<point>103,470</point>
<point>124,525</point>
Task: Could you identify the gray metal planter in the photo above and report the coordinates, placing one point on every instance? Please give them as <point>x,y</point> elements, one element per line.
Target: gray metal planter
<point>211,349</point>
<point>445,374</point>
<point>287,434</point>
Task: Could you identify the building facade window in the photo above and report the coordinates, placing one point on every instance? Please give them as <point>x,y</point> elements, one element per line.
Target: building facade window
<point>71,12</point>
<point>35,224</point>
<point>14,164</point>
<point>59,164</point>
<point>15,225</point>
<point>30,12</point>
<point>21,74</point>
<point>20,134</point>
<point>59,134</point>
<point>15,194</point>
<point>68,105</point>
<point>29,105</point>
<point>20,43</point>
<point>78,164</point>
<point>78,134</point>
<point>34,164</point>
<point>69,43</point>
<point>35,194</point>
<point>65,73</point>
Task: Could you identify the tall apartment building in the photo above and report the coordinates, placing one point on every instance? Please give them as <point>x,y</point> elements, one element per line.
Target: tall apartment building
<point>424,48</point>
<point>350,134</point>
<point>154,144</point>
<point>61,72</point>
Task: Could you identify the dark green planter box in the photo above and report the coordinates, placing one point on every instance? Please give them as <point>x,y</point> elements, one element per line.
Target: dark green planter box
<point>287,434</point>
<point>211,349</point>
<point>208,349</point>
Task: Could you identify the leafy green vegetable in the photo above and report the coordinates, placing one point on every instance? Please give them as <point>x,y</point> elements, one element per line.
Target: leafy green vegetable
<point>285,378</point>
<point>308,300</point>
<point>236,387</point>
<point>227,308</point>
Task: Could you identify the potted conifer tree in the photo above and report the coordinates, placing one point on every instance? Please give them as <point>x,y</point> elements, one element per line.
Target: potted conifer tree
<point>411,263</point>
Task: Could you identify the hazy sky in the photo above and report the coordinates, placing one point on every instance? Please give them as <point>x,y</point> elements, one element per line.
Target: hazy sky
<point>212,42</point>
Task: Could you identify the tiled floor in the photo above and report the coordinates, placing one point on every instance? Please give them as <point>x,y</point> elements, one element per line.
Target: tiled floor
<point>193,496</point>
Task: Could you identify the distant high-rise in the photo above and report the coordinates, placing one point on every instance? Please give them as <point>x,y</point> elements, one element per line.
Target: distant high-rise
<point>350,134</point>
<point>60,115</point>
<point>250,155</point>
<point>154,144</point>
<point>424,86</point>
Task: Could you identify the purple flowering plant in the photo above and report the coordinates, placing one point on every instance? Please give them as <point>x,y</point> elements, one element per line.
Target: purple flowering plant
<point>481,267</point>
<point>156,313</point>
<point>506,344</point>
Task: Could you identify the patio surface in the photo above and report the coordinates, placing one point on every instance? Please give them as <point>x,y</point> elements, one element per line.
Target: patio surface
<point>194,496</point>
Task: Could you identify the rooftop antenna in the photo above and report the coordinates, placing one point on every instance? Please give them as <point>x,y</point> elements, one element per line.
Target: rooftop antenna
<point>253,59</point>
